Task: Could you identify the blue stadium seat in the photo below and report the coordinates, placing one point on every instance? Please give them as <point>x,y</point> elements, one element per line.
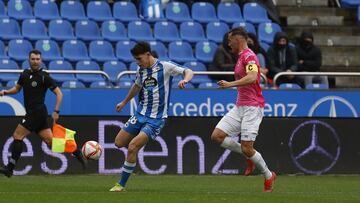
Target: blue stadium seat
<point>87,30</point>
<point>358,15</point>
<point>123,50</point>
<point>73,84</point>
<point>204,51</point>
<point>177,12</point>
<point>99,11</point>
<point>140,31</point>
<point>72,10</point>
<point>88,78</point>
<point>350,3</point>
<point>192,32</point>
<point>113,68</point>
<point>203,12</point>
<point>46,10</point>
<point>255,13</point>
<point>75,50</point>
<point>10,29</point>
<point>160,49</point>
<point>265,46</point>
<point>208,85</point>
<point>3,54</point>
<point>195,66</point>
<point>113,30</point>
<point>61,30</point>
<point>289,86</point>
<point>151,11</point>
<point>215,31</point>
<point>19,49</point>
<point>19,9</point>
<point>181,52</point>
<point>133,66</point>
<point>100,84</point>
<point>2,10</point>
<point>11,83</point>
<point>8,64</point>
<point>199,79</point>
<point>229,12</point>
<point>26,65</point>
<point>248,26</point>
<point>125,11</point>
<point>318,86</point>
<point>166,31</point>
<point>61,65</point>
<point>125,84</point>
<point>267,31</point>
<point>50,50</point>
<point>101,51</point>
<point>34,29</point>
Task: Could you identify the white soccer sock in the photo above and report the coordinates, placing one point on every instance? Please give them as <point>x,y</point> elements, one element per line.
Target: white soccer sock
<point>231,144</point>
<point>261,165</point>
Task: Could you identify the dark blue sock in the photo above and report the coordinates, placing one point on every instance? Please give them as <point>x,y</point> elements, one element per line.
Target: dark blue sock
<point>127,169</point>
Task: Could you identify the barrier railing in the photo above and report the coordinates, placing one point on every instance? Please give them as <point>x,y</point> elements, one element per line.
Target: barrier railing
<point>94,72</point>
<point>276,77</point>
<point>121,74</point>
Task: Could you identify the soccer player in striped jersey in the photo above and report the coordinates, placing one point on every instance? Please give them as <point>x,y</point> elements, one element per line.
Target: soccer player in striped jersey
<point>153,83</point>
<point>246,116</point>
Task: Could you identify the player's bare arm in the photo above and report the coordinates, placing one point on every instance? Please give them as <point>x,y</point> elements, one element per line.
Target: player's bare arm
<point>59,96</point>
<point>12,90</point>
<point>134,90</point>
<point>249,79</point>
<point>188,75</point>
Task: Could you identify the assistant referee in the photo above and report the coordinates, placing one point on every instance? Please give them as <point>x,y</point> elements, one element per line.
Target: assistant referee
<point>35,82</point>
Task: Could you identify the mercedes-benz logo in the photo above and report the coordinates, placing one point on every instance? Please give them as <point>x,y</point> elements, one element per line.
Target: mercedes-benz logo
<point>314,147</point>
<point>332,106</point>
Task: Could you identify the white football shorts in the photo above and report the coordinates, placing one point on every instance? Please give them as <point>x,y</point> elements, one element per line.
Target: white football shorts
<point>244,120</point>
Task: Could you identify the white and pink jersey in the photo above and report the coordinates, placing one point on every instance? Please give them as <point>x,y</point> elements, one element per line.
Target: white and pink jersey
<point>249,95</point>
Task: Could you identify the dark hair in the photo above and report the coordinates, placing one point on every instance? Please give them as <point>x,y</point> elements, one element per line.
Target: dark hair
<point>34,51</point>
<point>154,54</point>
<point>140,48</point>
<point>239,31</point>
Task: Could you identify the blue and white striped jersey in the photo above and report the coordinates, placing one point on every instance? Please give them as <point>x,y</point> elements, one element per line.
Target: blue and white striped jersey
<point>155,83</point>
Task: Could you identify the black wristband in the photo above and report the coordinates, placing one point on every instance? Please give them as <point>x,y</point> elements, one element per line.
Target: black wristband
<point>57,111</point>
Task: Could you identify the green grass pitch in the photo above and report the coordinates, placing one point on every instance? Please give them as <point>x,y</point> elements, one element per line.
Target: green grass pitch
<point>178,188</point>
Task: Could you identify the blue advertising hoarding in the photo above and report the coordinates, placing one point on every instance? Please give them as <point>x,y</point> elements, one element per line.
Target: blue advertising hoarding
<point>216,102</point>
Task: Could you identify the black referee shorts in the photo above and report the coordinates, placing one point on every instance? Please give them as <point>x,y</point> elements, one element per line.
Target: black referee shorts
<point>36,120</point>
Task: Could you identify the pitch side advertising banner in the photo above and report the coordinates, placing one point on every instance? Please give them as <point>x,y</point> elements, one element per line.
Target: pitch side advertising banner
<point>279,103</point>
<point>289,146</point>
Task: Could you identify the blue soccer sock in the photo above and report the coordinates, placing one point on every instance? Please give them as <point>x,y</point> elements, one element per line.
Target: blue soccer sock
<point>127,169</point>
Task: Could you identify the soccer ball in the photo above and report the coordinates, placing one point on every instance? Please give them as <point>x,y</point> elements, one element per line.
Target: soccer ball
<point>91,150</point>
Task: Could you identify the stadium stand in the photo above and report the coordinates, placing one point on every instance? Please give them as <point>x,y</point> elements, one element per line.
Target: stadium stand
<point>166,31</point>
<point>19,49</point>
<point>317,86</point>
<point>113,68</point>
<point>289,86</point>
<point>215,31</point>
<point>140,31</point>
<point>203,12</point>
<point>99,11</point>
<point>125,11</point>
<point>50,50</point>
<point>46,10</point>
<point>113,30</point>
<point>255,13</point>
<point>88,78</point>
<point>181,52</point>
<point>267,31</point>
<point>25,65</point>
<point>123,50</point>
<point>8,64</point>
<point>73,84</point>
<point>61,30</point>
<point>101,51</point>
<point>87,30</point>
<point>177,12</point>
<point>160,49</point>
<point>2,10</point>
<point>10,29</point>
<point>3,54</point>
<point>229,12</point>
<point>204,51</point>
<point>192,32</point>
<point>34,29</point>
<point>61,65</point>
<point>75,50</point>
<point>248,26</point>
<point>19,9</point>
<point>72,10</point>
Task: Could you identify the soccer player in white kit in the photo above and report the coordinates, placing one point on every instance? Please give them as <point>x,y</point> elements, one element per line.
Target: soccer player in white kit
<point>246,116</point>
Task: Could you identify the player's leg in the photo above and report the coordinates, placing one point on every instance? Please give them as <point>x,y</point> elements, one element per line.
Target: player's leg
<point>123,138</point>
<point>250,126</point>
<point>17,147</point>
<point>230,124</point>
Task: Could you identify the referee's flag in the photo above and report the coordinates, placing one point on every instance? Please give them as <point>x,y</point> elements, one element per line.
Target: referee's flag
<point>63,140</point>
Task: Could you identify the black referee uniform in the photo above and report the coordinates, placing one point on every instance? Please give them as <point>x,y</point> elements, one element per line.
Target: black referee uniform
<point>35,85</point>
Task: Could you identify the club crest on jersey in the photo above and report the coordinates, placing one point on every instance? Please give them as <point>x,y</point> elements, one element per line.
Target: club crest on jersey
<point>150,82</point>
<point>34,84</point>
